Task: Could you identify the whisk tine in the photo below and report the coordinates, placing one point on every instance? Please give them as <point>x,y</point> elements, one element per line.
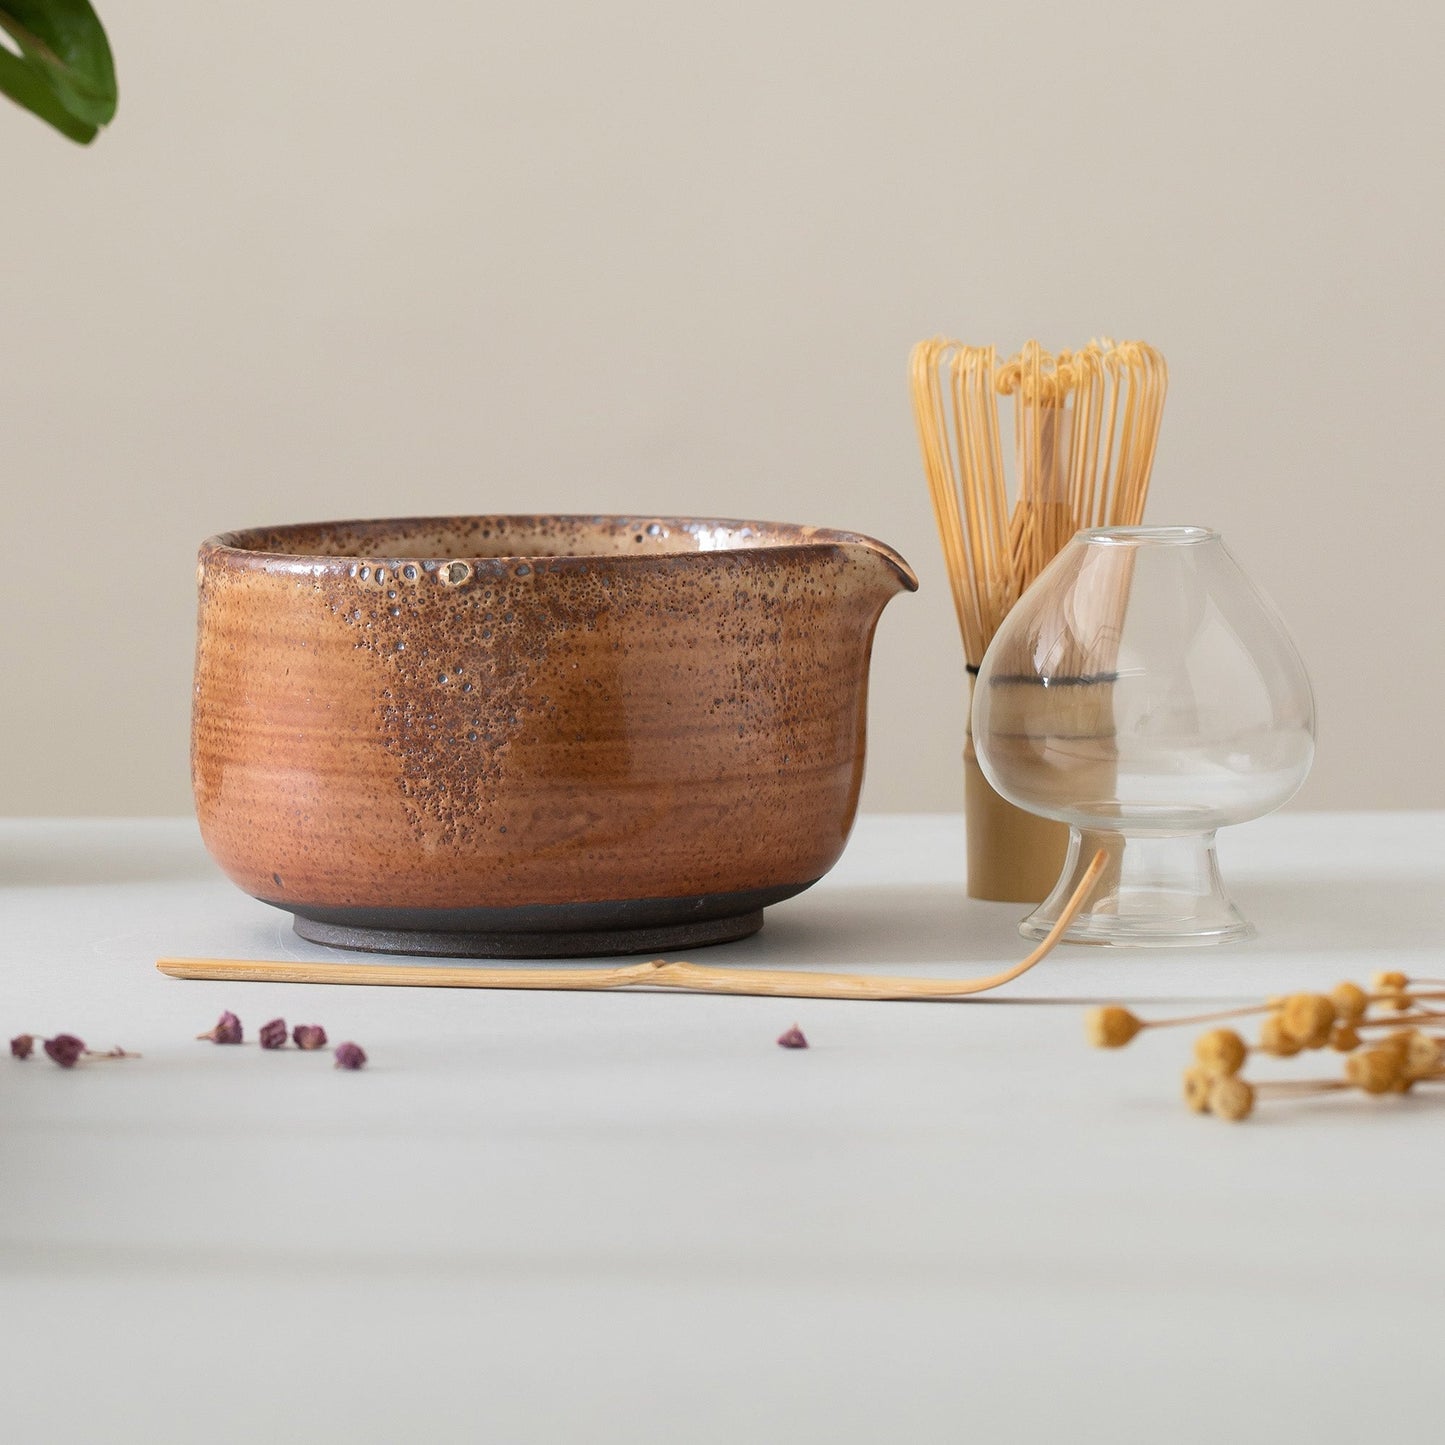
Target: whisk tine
<point>1085,432</point>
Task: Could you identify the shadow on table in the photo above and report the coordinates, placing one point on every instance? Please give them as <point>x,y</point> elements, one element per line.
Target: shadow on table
<point>855,929</point>
<point>884,925</point>
<point>880,929</point>
<point>1335,916</point>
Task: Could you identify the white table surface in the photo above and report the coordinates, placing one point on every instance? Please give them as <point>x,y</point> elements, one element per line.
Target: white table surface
<point>566,1217</point>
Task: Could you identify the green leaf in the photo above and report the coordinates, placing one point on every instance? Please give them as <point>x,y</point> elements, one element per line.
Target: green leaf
<point>69,76</point>
<point>26,86</point>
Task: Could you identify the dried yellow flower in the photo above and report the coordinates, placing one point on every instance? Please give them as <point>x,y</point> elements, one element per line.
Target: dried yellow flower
<point>1111,1027</point>
<point>1351,1002</point>
<point>1308,1018</point>
<point>1394,983</point>
<point>1397,1043</point>
<point>1343,1038</point>
<point>1196,1088</point>
<point>1374,1070</point>
<point>1419,1053</point>
<point>1274,1040</point>
<point>1220,1052</point>
<point>1343,1019</point>
<point>1231,1098</point>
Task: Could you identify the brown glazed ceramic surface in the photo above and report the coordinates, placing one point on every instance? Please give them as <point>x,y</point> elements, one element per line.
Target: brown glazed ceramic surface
<point>532,735</point>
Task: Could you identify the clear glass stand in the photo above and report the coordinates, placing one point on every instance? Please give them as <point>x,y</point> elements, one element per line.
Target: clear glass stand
<point>1144,692</point>
<point>1161,890</point>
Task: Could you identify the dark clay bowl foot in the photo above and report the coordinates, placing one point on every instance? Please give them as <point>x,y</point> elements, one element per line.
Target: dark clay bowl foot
<point>665,938</point>
<point>544,930</point>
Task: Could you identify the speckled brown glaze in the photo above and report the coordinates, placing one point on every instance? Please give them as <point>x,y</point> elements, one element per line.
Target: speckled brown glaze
<point>519,735</point>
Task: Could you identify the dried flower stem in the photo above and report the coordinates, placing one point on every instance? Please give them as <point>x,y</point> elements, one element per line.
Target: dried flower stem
<point>1283,1088</point>
<point>695,978</point>
<point>1228,1013</point>
<point>1395,1021</point>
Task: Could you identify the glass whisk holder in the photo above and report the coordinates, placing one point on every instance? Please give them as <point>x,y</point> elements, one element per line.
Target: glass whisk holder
<point>1144,692</point>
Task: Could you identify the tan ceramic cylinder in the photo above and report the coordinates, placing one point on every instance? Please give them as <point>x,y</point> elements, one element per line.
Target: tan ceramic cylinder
<point>1013,856</point>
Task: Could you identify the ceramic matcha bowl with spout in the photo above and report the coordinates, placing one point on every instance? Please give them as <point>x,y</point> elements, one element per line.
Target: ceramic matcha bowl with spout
<point>532,736</point>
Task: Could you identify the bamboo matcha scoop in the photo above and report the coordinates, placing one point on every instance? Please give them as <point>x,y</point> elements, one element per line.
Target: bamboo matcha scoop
<point>696,978</point>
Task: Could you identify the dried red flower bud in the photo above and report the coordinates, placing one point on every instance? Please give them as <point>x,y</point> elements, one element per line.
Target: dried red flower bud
<point>273,1035</point>
<point>350,1056</point>
<point>309,1036</point>
<point>65,1049</point>
<point>22,1046</point>
<point>226,1031</point>
<point>793,1038</point>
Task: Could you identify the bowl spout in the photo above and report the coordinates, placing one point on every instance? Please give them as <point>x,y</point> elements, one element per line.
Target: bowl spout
<point>885,567</point>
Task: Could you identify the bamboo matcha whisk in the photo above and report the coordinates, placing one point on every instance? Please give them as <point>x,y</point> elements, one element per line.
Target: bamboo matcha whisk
<point>1085,427</point>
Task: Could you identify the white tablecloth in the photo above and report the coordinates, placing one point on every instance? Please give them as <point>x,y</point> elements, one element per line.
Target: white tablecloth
<point>554,1217</point>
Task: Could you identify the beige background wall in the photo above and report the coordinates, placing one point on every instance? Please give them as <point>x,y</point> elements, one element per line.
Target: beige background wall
<point>349,259</point>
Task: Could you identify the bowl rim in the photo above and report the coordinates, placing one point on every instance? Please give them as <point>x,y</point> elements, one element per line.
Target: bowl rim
<point>792,537</point>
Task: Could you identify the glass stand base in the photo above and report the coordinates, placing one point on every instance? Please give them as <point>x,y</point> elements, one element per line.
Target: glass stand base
<point>1156,891</point>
